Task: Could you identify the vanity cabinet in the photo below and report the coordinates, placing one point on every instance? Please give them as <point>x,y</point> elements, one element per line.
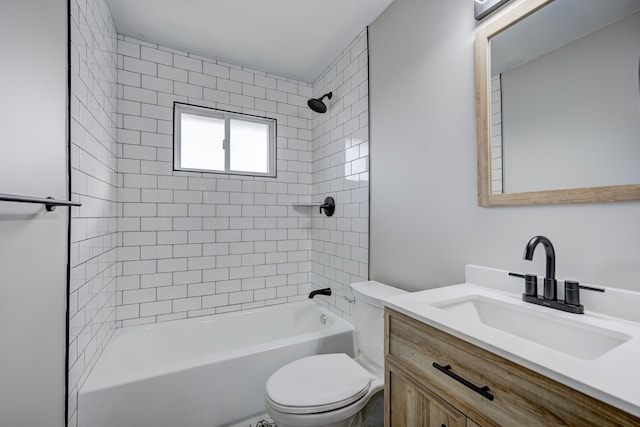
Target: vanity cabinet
<point>436,379</point>
<point>414,406</point>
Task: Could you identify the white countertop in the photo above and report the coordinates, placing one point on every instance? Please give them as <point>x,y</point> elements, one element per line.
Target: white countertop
<point>613,377</point>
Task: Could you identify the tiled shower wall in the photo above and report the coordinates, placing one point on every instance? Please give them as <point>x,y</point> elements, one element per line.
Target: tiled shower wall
<point>195,244</point>
<point>150,244</point>
<point>496,135</point>
<point>93,159</point>
<point>340,168</point>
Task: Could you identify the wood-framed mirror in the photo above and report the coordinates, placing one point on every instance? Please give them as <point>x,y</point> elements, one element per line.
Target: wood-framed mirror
<point>544,75</point>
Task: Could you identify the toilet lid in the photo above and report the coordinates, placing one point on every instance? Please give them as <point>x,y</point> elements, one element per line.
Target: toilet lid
<point>317,384</point>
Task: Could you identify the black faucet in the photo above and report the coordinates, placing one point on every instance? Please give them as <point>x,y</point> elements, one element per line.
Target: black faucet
<point>325,291</point>
<point>549,298</point>
<point>550,282</point>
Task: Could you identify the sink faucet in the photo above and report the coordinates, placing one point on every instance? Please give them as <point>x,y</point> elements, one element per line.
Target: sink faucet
<point>571,302</point>
<point>550,282</point>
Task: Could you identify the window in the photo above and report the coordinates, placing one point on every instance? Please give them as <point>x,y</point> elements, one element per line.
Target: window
<point>210,140</point>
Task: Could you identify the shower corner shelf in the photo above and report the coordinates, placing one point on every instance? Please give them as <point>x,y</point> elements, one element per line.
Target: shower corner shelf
<point>329,205</point>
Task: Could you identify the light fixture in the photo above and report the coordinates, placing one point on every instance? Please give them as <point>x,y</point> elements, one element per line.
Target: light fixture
<point>486,7</point>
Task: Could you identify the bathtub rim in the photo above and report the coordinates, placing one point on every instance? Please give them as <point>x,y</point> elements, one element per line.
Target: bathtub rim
<point>93,384</point>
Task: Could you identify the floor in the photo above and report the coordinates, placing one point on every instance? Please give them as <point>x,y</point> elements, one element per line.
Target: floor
<point>259,421</point>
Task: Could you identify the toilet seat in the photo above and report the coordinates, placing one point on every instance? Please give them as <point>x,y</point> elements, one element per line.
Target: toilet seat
<point>317,384</point>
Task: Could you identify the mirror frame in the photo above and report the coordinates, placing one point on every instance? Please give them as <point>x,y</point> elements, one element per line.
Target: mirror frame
<point>614,193</point>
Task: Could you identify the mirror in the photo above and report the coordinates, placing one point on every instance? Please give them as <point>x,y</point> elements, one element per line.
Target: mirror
<point>558,103</point>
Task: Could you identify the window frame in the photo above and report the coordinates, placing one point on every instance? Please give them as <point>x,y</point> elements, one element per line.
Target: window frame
<point>180,108</point>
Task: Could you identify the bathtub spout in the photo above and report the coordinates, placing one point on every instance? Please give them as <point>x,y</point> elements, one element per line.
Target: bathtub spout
<point>325,291</point>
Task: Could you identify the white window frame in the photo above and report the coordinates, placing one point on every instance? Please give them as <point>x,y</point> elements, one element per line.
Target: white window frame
<point>182,108</point>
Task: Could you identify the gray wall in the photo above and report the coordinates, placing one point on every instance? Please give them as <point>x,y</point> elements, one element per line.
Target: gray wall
<point>425,222</point>
<point>33,243</point>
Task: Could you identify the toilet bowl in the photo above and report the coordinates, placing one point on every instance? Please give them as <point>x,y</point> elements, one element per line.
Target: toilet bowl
<point>334,390</point>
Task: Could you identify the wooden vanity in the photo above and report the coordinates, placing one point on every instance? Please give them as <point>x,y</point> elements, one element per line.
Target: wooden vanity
<point>435,379</point>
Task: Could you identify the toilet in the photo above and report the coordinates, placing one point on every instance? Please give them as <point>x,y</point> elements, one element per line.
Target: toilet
<point>335,390</point>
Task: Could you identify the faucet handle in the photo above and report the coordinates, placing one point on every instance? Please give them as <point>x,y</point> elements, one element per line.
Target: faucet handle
<point>530,283</point>
<point>572,291</point>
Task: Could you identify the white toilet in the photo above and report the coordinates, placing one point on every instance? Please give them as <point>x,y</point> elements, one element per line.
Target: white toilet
<point>331,390</point>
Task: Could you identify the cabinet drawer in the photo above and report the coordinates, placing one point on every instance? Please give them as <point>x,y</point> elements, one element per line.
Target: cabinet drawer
<point>519,395</point>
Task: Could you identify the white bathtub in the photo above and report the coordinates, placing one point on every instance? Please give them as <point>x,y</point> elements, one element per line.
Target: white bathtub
<point>206,371</point>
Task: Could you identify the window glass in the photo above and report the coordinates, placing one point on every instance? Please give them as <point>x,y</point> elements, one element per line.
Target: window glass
<point>210,140</point>
<point>249,146</point>
<point>202,142</point>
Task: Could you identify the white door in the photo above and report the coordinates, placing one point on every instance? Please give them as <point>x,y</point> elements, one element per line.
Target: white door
<point>33,242</point>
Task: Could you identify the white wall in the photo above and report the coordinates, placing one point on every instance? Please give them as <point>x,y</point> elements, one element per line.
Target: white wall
<point>425,222</point>
<point>341,169</point>
<point>94,181</point>
<point>33,243</point>
<point>162,245</point>
<point>194,244</point>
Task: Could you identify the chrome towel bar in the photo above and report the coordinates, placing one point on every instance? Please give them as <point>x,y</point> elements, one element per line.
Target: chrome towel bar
<point>49,202</point>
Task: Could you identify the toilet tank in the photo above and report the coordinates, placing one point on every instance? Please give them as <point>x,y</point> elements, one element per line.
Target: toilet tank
<point>368,318</point>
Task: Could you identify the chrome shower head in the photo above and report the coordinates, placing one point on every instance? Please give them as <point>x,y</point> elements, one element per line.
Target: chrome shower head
<point>317,105</point>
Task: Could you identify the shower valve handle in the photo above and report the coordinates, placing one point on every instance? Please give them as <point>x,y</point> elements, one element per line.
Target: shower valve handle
<point>329,206</point>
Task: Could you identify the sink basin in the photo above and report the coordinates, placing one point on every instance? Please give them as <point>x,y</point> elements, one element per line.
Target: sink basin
<point>571,337</point>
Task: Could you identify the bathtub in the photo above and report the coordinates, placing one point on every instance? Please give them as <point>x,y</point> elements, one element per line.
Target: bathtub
<point>206,371</point>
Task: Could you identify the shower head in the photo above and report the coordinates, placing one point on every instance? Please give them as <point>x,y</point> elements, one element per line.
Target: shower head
<point>317,105</point>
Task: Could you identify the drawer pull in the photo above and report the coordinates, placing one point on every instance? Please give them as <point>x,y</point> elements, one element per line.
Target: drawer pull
<point>484,391</point>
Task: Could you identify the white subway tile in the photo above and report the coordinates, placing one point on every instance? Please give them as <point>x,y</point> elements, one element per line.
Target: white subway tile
<point>215,300</point>
<point>264,294</point>
<point>240,297</point>
<point>138,267</point>
<point>187,277</point>
<point>203,80</point>
<point>157,83</point>
<point>215,95</point>
<point>186,304</point>
<point>265,270</point>
<point>140,95</point>
<point>201,236</point>
<point>138,296</point>
<point>171,292</point>
<point>155,224</point>
<point>155,55</point>
<point>140,66</point>
<point>229,86</point>
<point>156,252</point>
<point>264,81</point>
<point>216,70</point>
<point>173,73</point>
<point>253,91</point>
<point>155,308</point>
<point>238,216</point>
<point>187,63</point>
<point>128,78</point>
<point>128,49</point>
<point>187,90</point>
<point>156,280</point>
<point>173,182</point>
<point>285,86</point>
<point>171,264</point>
<point>215,274</point>
<point>131,311</point>
<point>133,238</point>
<point>172,237</point>
<point>200,289</point>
